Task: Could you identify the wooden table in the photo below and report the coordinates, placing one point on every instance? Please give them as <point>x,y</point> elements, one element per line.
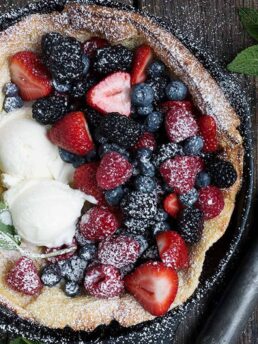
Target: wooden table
<point>214,24</point>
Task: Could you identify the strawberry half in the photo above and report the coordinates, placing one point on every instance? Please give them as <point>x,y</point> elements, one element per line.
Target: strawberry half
<point>173,250</point>
<point>112,94</point>
<point>208,130</point>
<point>154,286</point>
<point>172,205</point>
<point>142,58</point>
<point>30,75</point>
<point>72,134</point>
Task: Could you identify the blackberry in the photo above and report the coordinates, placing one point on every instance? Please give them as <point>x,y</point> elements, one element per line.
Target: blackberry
<point>112,59</point>
<point>165,152</point>
<point>72,289</point>
<point>222,173</point>
<point>151,253</point>
<point>79,89</point>
<point>120,129</point>
<point>191,224</point>
<point>50,109</point>
<point>73,269</point>
<point>140,205</point>
<point>51,275</point>
<point>158,85</point>
<point>64,57</point>
<point>137,226</point>
<point>93,118</point>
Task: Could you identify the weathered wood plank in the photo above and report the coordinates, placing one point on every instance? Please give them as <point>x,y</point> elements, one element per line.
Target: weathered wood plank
<point>216,26</point>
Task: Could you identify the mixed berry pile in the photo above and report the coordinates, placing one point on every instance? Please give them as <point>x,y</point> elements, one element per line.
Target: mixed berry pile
<point>141,148</point>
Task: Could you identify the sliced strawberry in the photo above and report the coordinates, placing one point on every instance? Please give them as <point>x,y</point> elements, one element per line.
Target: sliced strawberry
<point>114,170</point>
<point>180,172</point>
<point>112,94</point>
<point>211,202</point>
<point>171,205</point>
<point>147,140</point>
<point>180,124</point>
<point>176,104</point>
<point>72,134</point>
<point>154,286</point>
<point>142,58</point>
<point>85,180</point>
<point>208,130</point>
<point>98,223</point>
<point>173,250</point>
<point>91,46</point>
<point>30,75</point>
<point>24,278</point>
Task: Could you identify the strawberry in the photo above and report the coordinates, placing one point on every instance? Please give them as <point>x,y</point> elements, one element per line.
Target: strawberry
<point>65,256</point>
<point>180,172</point>
<point>211,202</point>
<point>114,170</point>
<point>72,134</point>
<point>208,130</point>
<point>30,75</point>
<point>173,250</point>
<point>142,58</point>
<point>147,140</point>
<point>180,124</point>
<point>91,46</point>
<point>24,278</point>
<point>98,223</point>
<point>172,205</point>
<point>103,281</point>
<point>154,286</point>
<point>176,104</point>
<point>112,94</point>
<point>85,180</point>
<point>118,251</point>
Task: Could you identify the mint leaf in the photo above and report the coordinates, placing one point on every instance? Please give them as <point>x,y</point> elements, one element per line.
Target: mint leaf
<point>249,18</point>
<point>246,62</point>
<point>7,229</point>
<point>2,206</point>
<point>21,340</point>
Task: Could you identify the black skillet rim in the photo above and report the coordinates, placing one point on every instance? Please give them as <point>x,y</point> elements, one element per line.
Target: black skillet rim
<point>160,328</point>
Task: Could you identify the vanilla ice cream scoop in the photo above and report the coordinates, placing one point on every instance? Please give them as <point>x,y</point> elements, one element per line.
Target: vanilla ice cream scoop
<point>45,212</point>
<point>26,152</point>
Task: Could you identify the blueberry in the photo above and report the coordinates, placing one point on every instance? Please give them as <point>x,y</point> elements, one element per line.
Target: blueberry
<point>193,145</point>
<point>12,103</point>
<point>161,215</point>
<point>189,198</point>
<point>73,269</point>
<point>144,154</point>
<point>147,169</point>
<point>71,158</point>
<point>136,170</point>
<point>151,253</point>
<point>145,184</point>
<point>10,89</point>
<point>145,110</point>
<point>72,289</point>
<point>202,180</point>
<point>114,197</point>
<point>81,240</point>
<point>86,64</point>
<point>154,121</point>
<point>142,95</point>
<point>157,68</point>
<point>88,252</point>
<point>91,156</point>
<point>112,147</point>
<point>144,244</point>
<point>61,88</point>
<point>125,270</point>
<point>176,90</point>
<point>160,227</point>
<point>51,275</point>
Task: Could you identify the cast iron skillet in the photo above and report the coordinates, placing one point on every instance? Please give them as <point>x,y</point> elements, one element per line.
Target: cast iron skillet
<point>220,257</point>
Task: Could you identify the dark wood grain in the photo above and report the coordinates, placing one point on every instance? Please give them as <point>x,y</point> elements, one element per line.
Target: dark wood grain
<point>213,24</point>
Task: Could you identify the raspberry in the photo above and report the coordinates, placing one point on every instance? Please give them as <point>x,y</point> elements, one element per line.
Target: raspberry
<point>180,124</point>
<point>211,202</point>
<point>147,140</point>
<point>98,223</point>
<point>103,281</point>
<point>114,170</point>
<point>24,278</point>
<point>118,251</point>
<point>208,130</point>
<point>85,180</point>
<point>191,224</point>
<point>222,173</point>
<point>62,256</point>
<point>180,172</point>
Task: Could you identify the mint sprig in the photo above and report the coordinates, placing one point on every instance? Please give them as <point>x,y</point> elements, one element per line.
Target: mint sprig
<point>21,340</point>
<point>246,62</point>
